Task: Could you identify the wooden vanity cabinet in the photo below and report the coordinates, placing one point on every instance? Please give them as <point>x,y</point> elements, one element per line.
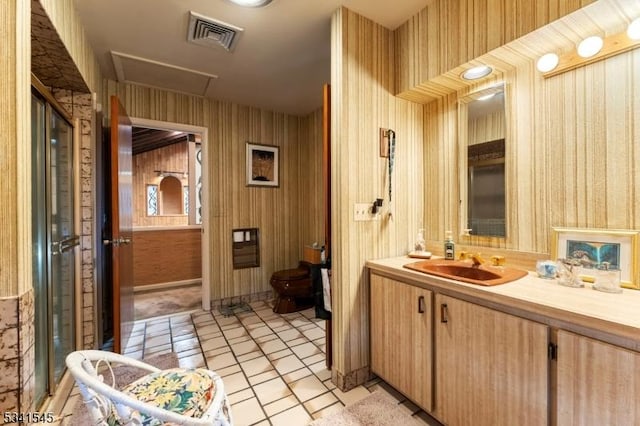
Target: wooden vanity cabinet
<point>597,383</point>
<point>491,368</point>
<point>402,338</point>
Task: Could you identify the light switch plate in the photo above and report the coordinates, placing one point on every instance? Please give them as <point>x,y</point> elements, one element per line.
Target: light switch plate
<point>362,212</point>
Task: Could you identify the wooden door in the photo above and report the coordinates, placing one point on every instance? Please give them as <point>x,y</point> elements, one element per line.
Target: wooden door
<point>491,368</point>
<point>402,338</point>
<point>597,383</point>
<point>121,225</point>
<point>326,179</point>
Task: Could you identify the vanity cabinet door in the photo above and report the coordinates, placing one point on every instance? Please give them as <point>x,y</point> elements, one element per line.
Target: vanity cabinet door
<point>598,383</point>
<point>401,338</point>
<point>491,367</point>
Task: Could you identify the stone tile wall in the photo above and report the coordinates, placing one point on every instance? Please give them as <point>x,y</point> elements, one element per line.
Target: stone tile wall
<point>9,355</point>
<point>17,353</point>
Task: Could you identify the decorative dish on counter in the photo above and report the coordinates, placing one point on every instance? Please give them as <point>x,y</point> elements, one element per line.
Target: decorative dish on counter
<point>420,254</point>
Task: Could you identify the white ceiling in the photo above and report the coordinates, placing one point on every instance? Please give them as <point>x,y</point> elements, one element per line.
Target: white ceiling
<point>280,62</point>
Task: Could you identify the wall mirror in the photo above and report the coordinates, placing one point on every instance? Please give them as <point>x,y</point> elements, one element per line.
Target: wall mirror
<point>482,132</point>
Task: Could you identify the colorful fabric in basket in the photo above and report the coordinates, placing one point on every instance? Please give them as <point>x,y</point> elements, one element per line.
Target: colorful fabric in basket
<point>184,391</point>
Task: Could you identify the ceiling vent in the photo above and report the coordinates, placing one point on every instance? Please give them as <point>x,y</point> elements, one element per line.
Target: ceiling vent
<point>212,33</point>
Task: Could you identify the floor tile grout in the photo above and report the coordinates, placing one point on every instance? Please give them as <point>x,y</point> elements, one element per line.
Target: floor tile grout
<point>256,331</point>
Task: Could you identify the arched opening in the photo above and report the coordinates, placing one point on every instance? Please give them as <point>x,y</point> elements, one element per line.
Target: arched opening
<point>171,195</point>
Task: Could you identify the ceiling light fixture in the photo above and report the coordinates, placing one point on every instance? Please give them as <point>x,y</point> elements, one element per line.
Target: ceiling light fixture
<point>477,72</point>
<point>547,62</point>
<point>590,46</point>
<point>633,31</point>
<point>251,3</point>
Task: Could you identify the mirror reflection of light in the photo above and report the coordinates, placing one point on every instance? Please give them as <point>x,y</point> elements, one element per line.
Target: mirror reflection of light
<point>485,97</point>
<point>633,31</point>
<point>547,62</point>
<point>590,46</point>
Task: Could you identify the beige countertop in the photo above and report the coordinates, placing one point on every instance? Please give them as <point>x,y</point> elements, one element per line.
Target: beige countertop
<point>613,318</point>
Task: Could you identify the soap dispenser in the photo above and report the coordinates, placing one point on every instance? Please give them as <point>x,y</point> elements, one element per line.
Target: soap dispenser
<point>449,246</point>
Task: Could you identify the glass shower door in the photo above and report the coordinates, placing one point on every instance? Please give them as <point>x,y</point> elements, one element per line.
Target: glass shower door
<point>63,241</point>
<point>40,246</point>
<point>54,242</point>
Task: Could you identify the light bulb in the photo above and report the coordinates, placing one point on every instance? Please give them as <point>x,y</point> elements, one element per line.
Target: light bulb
<point>633,31</point>
<point>547,62</point>
<point>476,72</point>
<point>590,46</point>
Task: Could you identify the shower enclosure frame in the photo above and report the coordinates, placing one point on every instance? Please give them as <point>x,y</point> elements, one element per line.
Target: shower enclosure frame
<point>46,249</point>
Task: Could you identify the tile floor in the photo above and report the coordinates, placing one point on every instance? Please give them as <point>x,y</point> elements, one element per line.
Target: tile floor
<point>273,366</point>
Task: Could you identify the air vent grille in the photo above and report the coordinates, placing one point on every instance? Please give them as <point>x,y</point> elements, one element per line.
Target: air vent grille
<point>211,32</point>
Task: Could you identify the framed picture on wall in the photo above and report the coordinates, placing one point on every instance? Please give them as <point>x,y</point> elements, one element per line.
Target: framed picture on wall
<point>593,247</point>
<point>263,165</point>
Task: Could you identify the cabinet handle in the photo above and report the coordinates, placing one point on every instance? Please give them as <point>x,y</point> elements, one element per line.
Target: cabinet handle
<point>444,314</point>
<point>421,305</point>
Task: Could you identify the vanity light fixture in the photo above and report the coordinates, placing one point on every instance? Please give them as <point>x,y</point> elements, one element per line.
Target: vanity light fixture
<point>593,49</point>
<point>633,31</point>
<point>477,72</point>
<point>251,3</point>
<point>547,62</point>
<point>590,46</point>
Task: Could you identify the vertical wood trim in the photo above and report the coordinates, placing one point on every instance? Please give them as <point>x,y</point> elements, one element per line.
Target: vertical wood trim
<point>326,165</point>
<point>15,149</point>
<point>326,177</point>
<point>363,101</point>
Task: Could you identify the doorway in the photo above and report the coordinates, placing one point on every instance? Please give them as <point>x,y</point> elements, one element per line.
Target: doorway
<point>185,207</point>
<point>55,239</point>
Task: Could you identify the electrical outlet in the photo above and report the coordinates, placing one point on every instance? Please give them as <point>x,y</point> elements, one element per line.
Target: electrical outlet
<point>362,212</point>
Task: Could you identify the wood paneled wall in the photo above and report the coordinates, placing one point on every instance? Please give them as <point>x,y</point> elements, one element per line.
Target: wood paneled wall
<point>572,151</point>
<point>487,128</point>
<point>174,158</point>
<point>164,256</point>
<point>569,160</point>
<point>15,148</point>
<point>362,102</point>
<point>277,212</point>
<point>448,33</point>
<point>64,17</point>
<point>310,174</point>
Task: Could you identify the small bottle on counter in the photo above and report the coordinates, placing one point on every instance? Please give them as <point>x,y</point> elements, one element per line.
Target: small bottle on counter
<point>449,247</point>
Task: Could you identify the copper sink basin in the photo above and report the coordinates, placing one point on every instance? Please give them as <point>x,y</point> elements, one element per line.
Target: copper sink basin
<point>465,271</point>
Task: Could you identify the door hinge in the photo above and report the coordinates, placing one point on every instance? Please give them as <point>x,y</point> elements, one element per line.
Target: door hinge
<point>552,351</point>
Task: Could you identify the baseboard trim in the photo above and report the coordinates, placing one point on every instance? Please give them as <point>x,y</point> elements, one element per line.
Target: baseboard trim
<point>164,286</point>
<point>248,298</point>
